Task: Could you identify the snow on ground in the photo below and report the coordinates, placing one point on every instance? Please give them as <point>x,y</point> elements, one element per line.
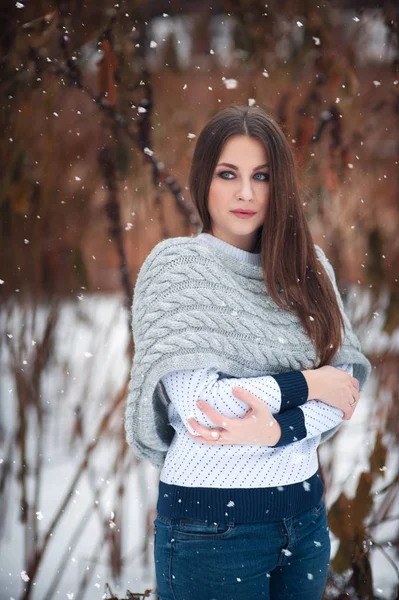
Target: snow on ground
<point>89,365</point>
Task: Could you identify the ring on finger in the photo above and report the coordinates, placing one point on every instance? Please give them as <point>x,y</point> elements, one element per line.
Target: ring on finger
<point>219,434</point>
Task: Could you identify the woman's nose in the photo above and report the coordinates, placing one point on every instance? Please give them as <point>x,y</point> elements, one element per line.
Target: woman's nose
<point>245,190</point>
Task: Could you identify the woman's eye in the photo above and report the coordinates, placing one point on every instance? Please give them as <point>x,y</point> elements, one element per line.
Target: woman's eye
<point>265,176</point>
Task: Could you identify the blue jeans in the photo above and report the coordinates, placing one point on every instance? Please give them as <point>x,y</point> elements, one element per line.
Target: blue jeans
<point>279,560</point>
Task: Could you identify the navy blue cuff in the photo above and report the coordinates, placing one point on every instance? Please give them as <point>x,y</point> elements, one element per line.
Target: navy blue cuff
<point>292,423</point>
<point>294,389</point>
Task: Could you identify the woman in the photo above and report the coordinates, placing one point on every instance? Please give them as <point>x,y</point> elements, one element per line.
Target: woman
<point>247,317</point>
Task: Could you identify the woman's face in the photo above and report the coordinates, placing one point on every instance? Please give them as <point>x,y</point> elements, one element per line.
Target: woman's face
<point>240,181</point>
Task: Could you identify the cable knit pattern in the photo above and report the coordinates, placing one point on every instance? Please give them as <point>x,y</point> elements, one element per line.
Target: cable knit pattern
<point>195,306</point>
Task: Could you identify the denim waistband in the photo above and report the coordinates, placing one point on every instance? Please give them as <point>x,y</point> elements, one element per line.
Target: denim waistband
<point>239,505</point>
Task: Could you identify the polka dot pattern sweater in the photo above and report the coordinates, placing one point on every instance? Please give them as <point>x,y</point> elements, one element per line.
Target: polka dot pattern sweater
<point>243,482</point>
<point>293,459</point>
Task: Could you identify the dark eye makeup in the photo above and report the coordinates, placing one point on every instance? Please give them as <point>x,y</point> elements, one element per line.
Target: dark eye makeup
<point>221,173</point>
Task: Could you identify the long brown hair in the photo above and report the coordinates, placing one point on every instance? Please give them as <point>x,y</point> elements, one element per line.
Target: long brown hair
<point>287,250</point>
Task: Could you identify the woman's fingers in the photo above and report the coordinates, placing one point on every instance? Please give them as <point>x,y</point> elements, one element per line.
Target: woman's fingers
<point>352,403</point>
<point>210,437</point>
<point>247,397</point>
<point>249,429</point>
<point>206,432</point>
<point>212,414</point>
<point>348,413</point>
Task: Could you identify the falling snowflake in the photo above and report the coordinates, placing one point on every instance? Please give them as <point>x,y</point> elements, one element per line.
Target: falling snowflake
<point>148,151</point>
<point>39,515</point>
<point>231,503</point>
<point>153,44</point>
<point>191,136</point>
<point>230,84</point>
<point>310,576</point>
<point>286,552</point>
<point>265,73</point>
<point>25,576</point>
<point>299,24</point>
<point>377,83</point>
<point>316,41</point>
<point>306,486</point>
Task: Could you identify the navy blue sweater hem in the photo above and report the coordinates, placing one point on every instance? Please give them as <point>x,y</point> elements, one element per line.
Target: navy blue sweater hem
<point>239,505</point>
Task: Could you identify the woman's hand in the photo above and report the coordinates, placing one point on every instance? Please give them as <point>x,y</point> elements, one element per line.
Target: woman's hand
<point>257,427</point>
<point>334,387</point>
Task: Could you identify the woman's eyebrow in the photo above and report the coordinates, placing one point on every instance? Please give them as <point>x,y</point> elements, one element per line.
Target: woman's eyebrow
<point>236,168</point>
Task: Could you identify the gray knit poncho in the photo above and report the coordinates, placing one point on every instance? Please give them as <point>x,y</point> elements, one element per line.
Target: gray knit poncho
<point>195,306</point>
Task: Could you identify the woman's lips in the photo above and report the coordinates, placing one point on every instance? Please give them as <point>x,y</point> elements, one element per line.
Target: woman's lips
<point>243,215</point>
